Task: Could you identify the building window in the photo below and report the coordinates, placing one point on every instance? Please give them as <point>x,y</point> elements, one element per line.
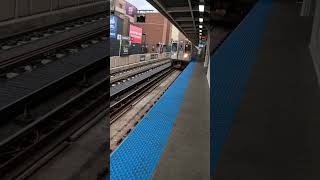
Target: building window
<point>141,19</point>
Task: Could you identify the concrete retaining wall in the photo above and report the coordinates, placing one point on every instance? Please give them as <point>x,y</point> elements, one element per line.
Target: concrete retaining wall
<point>116,61</point>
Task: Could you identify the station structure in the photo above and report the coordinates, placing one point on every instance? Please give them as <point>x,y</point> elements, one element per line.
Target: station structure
<point>171,141</point>
<point>54,89</point>
<point>245,107</point>
<point>265,100</point>
<point>259,78</point>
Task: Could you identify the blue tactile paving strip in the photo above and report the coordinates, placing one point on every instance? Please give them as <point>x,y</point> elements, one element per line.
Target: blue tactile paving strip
<point>139,153</point>
<point>231,67</point>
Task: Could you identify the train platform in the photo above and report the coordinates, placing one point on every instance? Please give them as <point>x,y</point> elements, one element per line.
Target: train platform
<point>170,141</point>
<point>266,112</point>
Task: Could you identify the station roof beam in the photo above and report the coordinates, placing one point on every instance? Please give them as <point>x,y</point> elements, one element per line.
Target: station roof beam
<point>184,14</point>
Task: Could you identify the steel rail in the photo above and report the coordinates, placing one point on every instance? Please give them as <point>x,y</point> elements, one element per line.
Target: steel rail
<point>128,98</point>
<point>38,133</point>
<point>5,64</point>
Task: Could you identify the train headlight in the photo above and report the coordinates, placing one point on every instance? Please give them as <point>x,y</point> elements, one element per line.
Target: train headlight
<point>185,55</point>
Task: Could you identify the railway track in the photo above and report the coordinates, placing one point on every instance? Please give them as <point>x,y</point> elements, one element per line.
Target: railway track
<point>135,66</point>
<point>121,102</point>
<point>129,67</point>
<point>33,61</point>
<point>125,75</point>
<point>38,34</point>
<point>55,117</point>
<point>44,117</point>
<point>46,43</point>
<point>130,114</point>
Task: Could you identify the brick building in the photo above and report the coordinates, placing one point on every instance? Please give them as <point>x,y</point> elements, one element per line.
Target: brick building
<point>157,30</point>
<point>118,9</point>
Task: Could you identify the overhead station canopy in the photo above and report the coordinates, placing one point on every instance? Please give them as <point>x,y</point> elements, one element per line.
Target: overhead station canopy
<point>229,13</point>
<point>190,18</point>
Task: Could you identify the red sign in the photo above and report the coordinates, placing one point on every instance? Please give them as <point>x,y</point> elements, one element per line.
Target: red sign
<point>135,34</point>
<point>204,38</point>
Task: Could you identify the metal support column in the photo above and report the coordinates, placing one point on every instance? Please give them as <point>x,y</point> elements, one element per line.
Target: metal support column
<point>307,8</point>
<point>315,40</point>
<point>207,53</point>
<point>207,57</point>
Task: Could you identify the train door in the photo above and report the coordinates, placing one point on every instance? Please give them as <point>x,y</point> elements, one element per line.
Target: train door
<point>187,52</point>
<point>174,50</point>
<point>180,50</point>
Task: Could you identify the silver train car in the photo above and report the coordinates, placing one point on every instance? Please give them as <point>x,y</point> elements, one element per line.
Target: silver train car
<point>181,53</point>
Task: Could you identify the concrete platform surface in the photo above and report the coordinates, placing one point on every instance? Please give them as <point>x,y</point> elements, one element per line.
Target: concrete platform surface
<point>187,153</point>
<point>275,134</point>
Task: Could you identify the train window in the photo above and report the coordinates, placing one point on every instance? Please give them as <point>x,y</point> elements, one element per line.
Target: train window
<point>181,47</point>
<point>174,47</point>
<point>167,49</point>
<point>141,19</point>
<point>187,48</point>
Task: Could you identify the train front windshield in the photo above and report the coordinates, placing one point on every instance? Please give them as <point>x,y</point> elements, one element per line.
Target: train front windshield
<point>187,49</point>
<point>174,47</point>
